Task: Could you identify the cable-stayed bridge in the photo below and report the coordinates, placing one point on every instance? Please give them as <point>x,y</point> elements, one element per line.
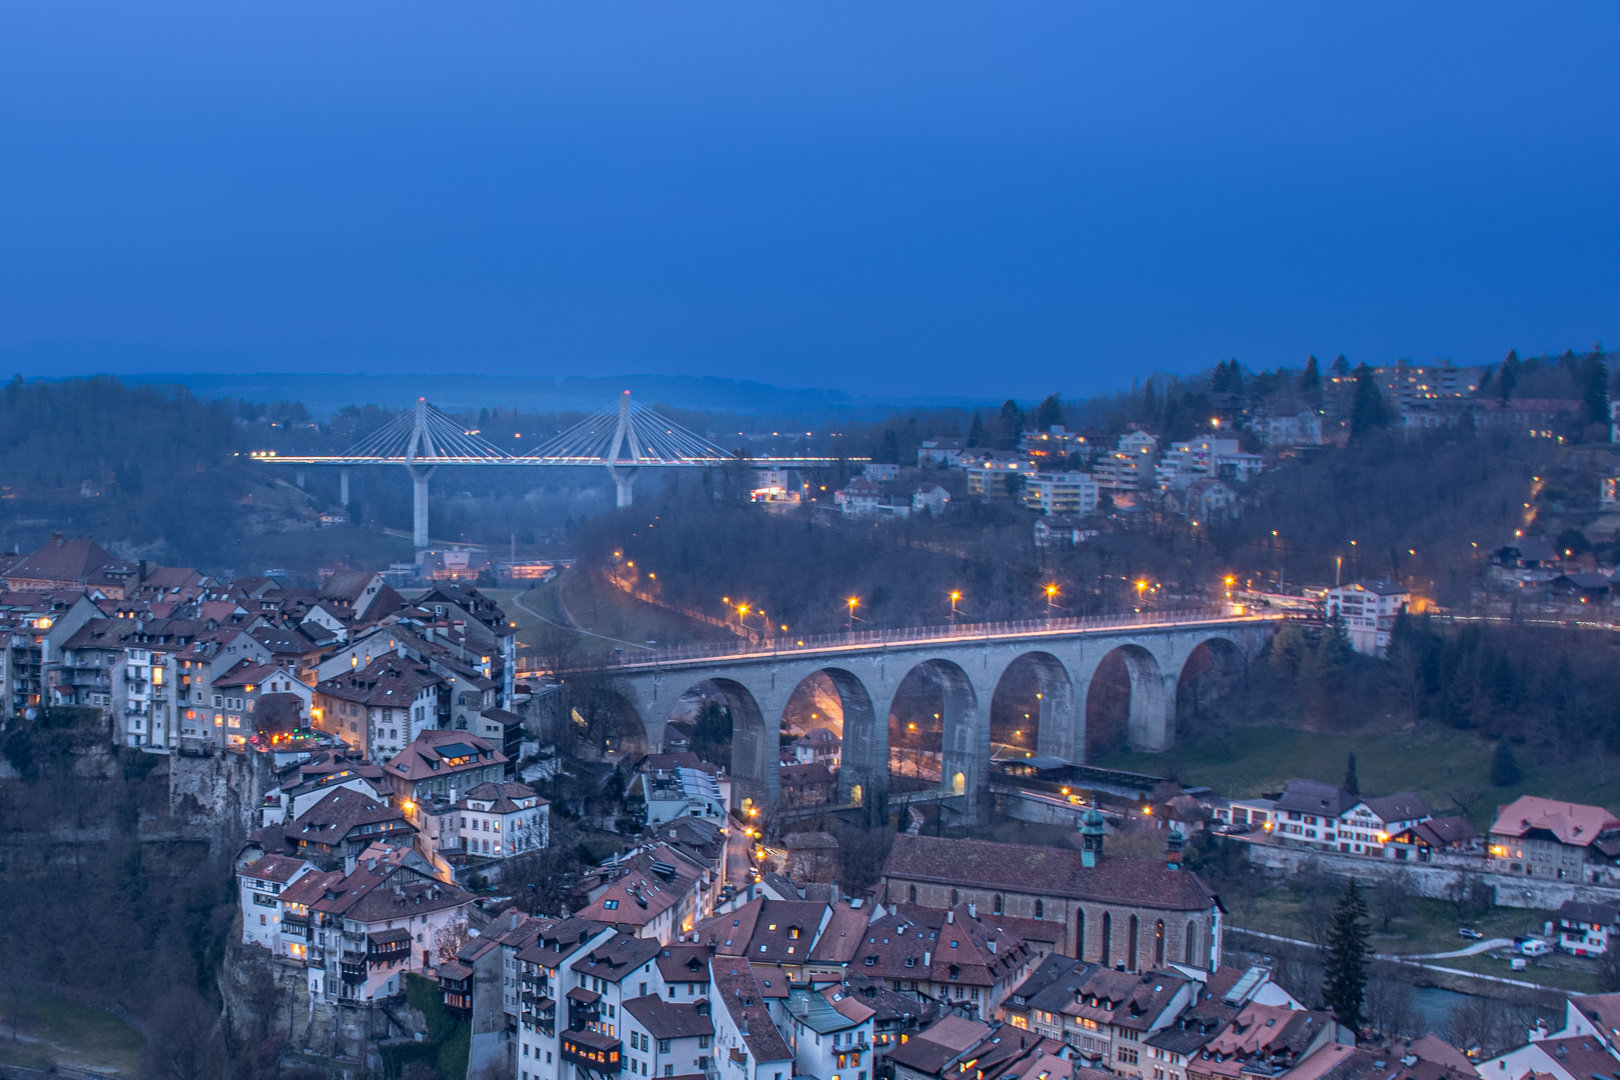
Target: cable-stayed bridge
<point>623,438</point>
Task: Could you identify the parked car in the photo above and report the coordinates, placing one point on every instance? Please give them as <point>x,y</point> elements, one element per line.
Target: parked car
<point>1470,934</point>
<point>1535,947</point>
<point>1235,829</point>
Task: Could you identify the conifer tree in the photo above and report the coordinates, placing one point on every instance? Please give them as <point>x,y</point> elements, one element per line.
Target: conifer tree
<point>1593,378</point>
<point>975,430</point>
<point>1509,376</point>
<point>1352,783</point>
<point>1367,410</point>
<point>1310,382</point>
<point>1049,413</point>
<point>1345,969</point>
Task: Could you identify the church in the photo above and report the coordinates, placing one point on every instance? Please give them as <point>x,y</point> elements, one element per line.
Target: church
<point>1129,914</point>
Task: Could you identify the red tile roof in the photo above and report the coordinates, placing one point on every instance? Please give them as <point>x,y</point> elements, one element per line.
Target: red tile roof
<point>1052,871</point>
<point>279,868</point>
<point>63,561</point>
<point>1572,823</point>
<point>416,761</point>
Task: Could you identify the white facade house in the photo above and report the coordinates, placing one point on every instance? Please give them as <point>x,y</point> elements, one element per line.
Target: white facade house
<point>1060,529</point>
<point>386,919</point>
<point>575,1025</point>
<point>1310,813</point>
<point>1074,493</point>
<point>1303,428</point>
<point>1193,460</point>
<point>880,472</point>
<point>1369,609</point>
<point>930,499</point>
<point>830,1033</point>
<point>995,473</point>
<point>549,999</point>
<point>500,820</point>
<point>1587,929</point>
<point>1130,466</point>
<point>941,451</point>
<point>259,887</point>
<point>143,692</point>
<point>1197,459</point>
<point>1239,466</point>
<point>668,1038</point>
<point>748,1045</point>
<point>1206,500</point>
<point>859,498</point>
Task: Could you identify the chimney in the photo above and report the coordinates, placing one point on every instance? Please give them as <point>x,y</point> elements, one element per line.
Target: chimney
<point>928,958</point>
<point>950,917</point>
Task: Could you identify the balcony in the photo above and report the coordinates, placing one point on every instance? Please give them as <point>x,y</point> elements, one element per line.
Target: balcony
<point>592,1050</point>
<point>353,966</point>
<point>389,952</point>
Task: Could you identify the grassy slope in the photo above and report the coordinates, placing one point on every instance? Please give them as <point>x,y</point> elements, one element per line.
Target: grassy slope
<point>71,1034</point>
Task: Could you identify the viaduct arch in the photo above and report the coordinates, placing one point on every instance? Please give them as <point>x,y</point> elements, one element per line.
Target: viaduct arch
<point>867,671</point>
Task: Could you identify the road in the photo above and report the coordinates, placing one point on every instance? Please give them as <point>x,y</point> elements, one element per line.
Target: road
<point>517,599</point>
<point>881,640</point>
<point>1473,950</point>
<point>1413,961</point>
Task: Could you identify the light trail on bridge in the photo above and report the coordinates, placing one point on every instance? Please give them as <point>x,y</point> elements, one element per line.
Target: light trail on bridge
<point>877,640</point>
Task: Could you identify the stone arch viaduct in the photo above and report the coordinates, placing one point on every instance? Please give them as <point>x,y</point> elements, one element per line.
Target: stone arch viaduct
<point>966,664</point>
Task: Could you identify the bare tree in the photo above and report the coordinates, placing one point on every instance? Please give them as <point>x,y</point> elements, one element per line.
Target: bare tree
<point>1463,893</point>
<point>1389,1002</point>
<point>185,1041</point>
<point>449,940</point>
<point>1392,900</point>
<point>1608,971</point>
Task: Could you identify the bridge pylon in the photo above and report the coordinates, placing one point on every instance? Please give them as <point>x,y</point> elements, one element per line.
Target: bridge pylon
<point>420,447</point>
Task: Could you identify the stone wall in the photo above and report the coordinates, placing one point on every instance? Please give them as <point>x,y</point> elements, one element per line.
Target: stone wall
<point>1434,881</point>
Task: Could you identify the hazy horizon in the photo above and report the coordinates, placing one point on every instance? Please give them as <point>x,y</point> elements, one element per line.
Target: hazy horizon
<point>939,200</point>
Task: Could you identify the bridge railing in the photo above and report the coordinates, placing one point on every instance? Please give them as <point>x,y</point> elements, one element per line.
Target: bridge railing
<point>787,645</point>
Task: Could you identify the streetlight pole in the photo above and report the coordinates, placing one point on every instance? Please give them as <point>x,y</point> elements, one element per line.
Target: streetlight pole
<point>955,596</point>
<point>852,601</point>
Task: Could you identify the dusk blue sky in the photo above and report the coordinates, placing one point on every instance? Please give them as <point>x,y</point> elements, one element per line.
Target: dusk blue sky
<point>888,198</point>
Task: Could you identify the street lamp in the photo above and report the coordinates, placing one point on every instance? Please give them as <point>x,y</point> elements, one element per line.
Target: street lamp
<point>955,596</point>
<point>1051,598</point>
<point>852,602</point>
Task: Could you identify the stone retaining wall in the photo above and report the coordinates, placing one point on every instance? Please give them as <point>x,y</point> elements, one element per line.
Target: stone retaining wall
<point>1434,881</point>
